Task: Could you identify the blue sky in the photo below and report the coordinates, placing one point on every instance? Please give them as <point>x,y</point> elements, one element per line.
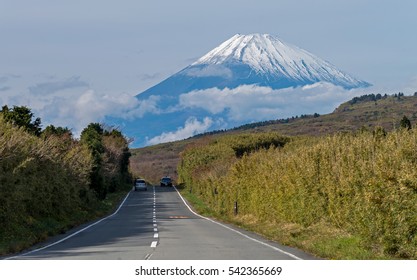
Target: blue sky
<point>77,61</point>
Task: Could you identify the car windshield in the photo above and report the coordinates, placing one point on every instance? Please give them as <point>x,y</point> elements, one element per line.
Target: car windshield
<point>166,180</point>
<point>140,181</point>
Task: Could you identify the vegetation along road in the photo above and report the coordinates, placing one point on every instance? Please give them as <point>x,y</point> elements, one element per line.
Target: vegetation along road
<point>346,191</point>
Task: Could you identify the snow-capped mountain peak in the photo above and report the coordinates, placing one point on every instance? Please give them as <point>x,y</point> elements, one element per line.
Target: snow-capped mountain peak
<point>255,50</point>
<point>274,59</point>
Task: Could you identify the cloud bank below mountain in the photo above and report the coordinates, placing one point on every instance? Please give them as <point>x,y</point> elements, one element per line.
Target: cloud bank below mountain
<point>76,107</point>
<point>191,127</point>
<point>227,108</point>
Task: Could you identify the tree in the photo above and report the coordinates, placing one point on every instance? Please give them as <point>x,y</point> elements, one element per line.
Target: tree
<point>22,116</point>
<point>57,131</point>
<point>91,136</point>
<point>110,152</point>
<point>61,136</point>
<point>405,123</point>
<point>115,159</point>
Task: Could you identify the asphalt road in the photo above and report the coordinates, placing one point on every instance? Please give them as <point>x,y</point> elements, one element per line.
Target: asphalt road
<point>158,225</point>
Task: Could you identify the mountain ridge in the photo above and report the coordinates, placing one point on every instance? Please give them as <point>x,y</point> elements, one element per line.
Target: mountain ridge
<point>247,78</point>
<point>268,54</point>
<point>259,59</point>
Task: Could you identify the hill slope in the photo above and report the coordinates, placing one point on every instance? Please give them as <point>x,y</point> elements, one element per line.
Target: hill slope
<point>369,111</point>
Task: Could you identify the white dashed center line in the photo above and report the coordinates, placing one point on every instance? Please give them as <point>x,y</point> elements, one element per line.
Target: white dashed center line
<point>155,225</point>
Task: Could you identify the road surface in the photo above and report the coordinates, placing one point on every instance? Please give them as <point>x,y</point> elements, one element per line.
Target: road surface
<point>158,225</point>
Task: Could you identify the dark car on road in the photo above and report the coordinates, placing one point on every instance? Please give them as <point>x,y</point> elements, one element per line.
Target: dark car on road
<point>166,182</point>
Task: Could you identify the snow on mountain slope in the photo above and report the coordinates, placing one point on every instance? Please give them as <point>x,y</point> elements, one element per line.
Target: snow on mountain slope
<point>257,59</point>
<point>269,56</point>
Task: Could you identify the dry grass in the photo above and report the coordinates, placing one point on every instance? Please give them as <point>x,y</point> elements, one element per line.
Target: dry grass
<point>155,162</point>
<point>362,185</point>
<point>385,113</point>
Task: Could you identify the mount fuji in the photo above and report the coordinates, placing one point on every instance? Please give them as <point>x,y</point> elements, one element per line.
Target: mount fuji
<point>244,79</point>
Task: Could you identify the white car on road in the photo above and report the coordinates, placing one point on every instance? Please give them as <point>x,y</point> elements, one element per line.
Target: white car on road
<point>140,185</point>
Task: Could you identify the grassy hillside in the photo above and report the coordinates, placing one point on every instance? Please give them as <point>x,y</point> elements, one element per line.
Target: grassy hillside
<point>366,112</point>
<point>346,196</point>
<point>156,161</point>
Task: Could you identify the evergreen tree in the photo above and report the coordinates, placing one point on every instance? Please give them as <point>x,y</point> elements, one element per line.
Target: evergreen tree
<point>405,123</point>
<point>91,136</point>
<point>110,152</point>
<point>22,116</point>
<point>58,131</point>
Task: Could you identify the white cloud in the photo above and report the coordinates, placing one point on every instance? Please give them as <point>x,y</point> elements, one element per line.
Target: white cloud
<point>191,127</point>
<point>68,102</point>
<point>138,108</point>
<point>77,112</point>
<point>410,87</point>
<point>253,103</point>
<point>91,106</point>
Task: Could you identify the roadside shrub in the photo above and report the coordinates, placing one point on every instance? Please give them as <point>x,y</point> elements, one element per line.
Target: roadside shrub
<point>40,178</point>
<point>364,184</point>
<point>49,181</point>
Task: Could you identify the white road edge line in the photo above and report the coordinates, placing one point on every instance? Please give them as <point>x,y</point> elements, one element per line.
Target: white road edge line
<point>153,244</point>
<point>236,231</point>
<point>75,233</point>
<point>147,257</point>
